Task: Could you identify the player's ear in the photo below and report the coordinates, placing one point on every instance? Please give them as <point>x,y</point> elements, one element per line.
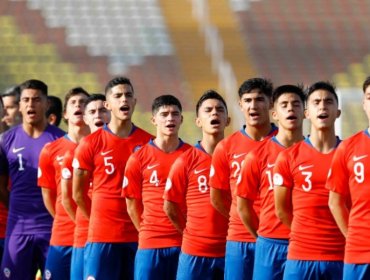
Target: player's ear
<point>228,121</point>
<point>339,112</point>
<point>274,115</point>
<point>106,105</point>
<point>306,114</point>
<point>152,120</point>
<point>198,122</point>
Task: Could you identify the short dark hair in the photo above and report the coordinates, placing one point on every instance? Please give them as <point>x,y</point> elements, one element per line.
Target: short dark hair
<point>366,84</point>
<point>322,85</point>
<point>209,94</point>
<point>298,90</point>
<point>56,108</point>
<point>34,84</point>
<point>165,100</point>
<point>73,92</point>
<point>117,81</point>
<point>12,91</point>
<point>265,86</point>
<point>95,97</point>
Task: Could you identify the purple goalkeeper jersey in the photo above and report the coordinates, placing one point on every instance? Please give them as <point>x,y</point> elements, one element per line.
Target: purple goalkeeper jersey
<point>19,157</point>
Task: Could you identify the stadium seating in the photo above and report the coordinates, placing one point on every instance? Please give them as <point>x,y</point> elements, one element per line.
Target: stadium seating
<point>23,59</point>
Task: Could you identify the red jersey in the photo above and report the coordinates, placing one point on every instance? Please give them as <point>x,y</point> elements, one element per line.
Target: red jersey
<point>314,233</point>
<point>226,165</point>
<point>145,179</point>
<point>81,222</point>
<point>256,182</point>
<point>206,229</point>
<point>105,154</point>
<point>49,176</point>
<point>350,177</point>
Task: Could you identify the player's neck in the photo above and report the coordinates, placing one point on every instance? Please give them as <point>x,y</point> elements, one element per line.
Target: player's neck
<point>35,130</point>
<point>76,132</point>
<point>258,132</point>
<point>167,144</point>
<point>209,142</point>
<point>121,128</point>
<point>323,140</point>
<point>289,137</point>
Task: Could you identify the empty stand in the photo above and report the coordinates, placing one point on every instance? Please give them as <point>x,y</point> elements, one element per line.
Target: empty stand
<point>21,59</point>
<point>305,41</point>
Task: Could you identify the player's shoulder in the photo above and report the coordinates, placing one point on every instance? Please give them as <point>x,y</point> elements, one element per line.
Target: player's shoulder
<point>355,138</point>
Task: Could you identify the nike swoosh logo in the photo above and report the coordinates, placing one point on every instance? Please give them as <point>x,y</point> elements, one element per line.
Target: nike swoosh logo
<point>59,158</point>
<point>152,166</point>
<point>270,165</point>
<point>301,167</point>
<point>16,150</point>
<point>199,171</point>
<point>105,153</point>
<point>357,158</point>
<point>235,156</point>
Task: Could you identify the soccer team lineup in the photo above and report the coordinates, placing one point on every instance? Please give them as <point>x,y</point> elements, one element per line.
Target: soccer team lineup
<point>106,199</point>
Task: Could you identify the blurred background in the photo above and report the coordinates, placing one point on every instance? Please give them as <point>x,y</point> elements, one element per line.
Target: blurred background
<point>184,47</point>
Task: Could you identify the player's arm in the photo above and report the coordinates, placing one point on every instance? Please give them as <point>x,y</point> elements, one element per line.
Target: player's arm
<point>135,210</point>
<point>247,214</point>
<point>175,215</point>
<point>220,200</point>
<point>283,205</point>
<point>80,185</point>
<point>67,201</point>
<point>49,197</point>
<point>4,191</point>
<point>339,210</point>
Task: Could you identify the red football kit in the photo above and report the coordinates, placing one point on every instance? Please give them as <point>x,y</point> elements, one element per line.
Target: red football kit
<point>82,223</point>
<point>105,154</point>
<point>145,179</point>
<point>206,229</point>
<point>49,176</point>
<point>226,165</point>
<point>350,177</point>
<point>256,181</point>
<point>314,234</point>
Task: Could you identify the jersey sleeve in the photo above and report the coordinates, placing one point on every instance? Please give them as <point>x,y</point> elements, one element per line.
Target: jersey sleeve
<point>132,180</point>
<point>220,171</point>
<point>84,156</point>
<point>46,171</point>
<point>338,179</point>
<point>67,169</point>
<point>282,173</point>
<point>249,178</point>
<point>177,181</point>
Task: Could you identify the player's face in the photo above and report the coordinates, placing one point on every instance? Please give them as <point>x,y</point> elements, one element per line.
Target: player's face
<point>121,102</point>
<point>255,107</point>
<point>366,102</point>
<point>33,105</point>
<point>11,115</point>
<point>322,109</point>
<point>75,109</point>
<point>212,117</point>
<point>167,120</point>
<point>288,111</point>
<point>96,115</point>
